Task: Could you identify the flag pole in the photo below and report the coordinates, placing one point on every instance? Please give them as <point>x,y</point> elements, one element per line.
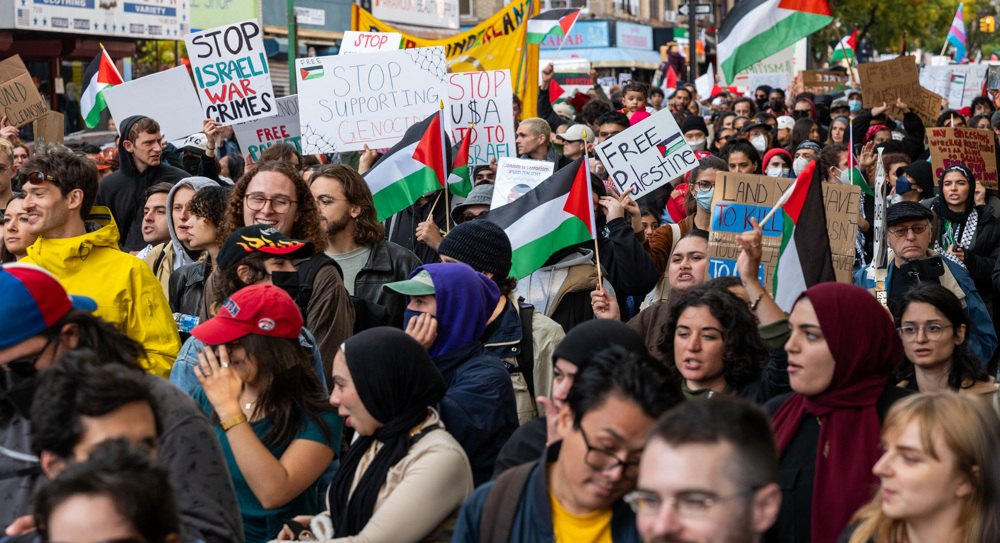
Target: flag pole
<point>850,64</point>
<point>780,204</point>
<point>444,169</point>
<point>597,248</point>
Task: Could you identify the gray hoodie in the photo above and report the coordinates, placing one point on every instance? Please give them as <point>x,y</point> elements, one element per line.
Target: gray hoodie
<point>541,288</point>
<point>197,183</point>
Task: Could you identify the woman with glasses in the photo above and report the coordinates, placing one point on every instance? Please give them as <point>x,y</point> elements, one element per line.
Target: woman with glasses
<point>935,332</point>
<point>842,349</point>
<point>938,474</point>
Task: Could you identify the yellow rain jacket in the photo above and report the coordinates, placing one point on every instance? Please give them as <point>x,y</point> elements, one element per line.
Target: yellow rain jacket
<point>127,293</point>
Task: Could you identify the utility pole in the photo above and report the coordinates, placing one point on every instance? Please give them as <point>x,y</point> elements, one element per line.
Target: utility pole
<point>293,47</point>
<point>692,40</point>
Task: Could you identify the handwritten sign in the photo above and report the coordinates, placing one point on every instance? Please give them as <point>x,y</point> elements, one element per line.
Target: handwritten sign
<point>740,197</point>
<point>19,98</point>
<point>886,81</point>
<point>257,135</point>
<point>230,69</point>
<point>967,146</point>
<point>346,102</point>
<point>49,128</point>
<point>168,97</point>
<point>481,104</point>
<point>516,176</point>
<point>355,42</point>
<point>822,82</point>
<point>648,155</point>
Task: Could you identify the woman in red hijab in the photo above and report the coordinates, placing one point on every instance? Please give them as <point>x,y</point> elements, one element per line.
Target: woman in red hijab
<point>842,348</point>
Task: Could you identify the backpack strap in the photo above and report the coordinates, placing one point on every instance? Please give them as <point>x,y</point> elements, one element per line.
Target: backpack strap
<point>502,503</point>
<point>307,276</point>
<point>159,260</point>
<point>526,356</point>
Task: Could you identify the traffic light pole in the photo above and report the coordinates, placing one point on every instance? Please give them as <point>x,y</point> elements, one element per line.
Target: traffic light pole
<point>692,40</point>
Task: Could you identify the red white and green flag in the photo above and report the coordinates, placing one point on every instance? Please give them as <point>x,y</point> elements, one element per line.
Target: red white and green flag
<point>100,74</point>
<point>805,258</point>
<point>845,49</point>
<point>554,22</point>
<point>459,180</point>
<point>756,29</point>
<point>559,212</point>
<point>410,169</point>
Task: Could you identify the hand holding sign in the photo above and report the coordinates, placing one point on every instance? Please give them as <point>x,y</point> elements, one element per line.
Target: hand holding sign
<point>7,131</point>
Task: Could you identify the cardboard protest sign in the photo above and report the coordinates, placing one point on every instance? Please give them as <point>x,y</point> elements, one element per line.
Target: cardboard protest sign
<point>19,98</point>
<point>168,97</point>
<point>886,81</point>
<point>255,136</point>
<point>927,105</point>
<point>350,101</point>
<point>355,42</point>
<point>481,103</point>
<point>648,155</point>
<point>230,69</point>
<point>49,128</point>
<point>516,176</point>
<point>740,197</point>
<point>822,82</point>
<point>968,146</point>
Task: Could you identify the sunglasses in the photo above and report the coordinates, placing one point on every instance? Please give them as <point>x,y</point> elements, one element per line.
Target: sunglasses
<point>35,178</point>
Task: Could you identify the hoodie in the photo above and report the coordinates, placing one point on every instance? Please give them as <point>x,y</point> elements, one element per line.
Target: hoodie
<point>124,191</point>
<point>167,257</point>
<point>127,294</point>
<point>568,280</point>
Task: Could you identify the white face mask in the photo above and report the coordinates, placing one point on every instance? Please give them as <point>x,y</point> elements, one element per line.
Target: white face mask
<point>845,177</point>
<point>780,171</point>
<point>800,164</point>
<point>697,145</point>
<point>759,143</point>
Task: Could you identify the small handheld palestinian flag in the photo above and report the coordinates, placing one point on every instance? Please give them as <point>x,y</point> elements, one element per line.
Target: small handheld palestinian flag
<point>845,49</point>
<point>100,74</point>
<point>555,22</point>
<point>459,180</point>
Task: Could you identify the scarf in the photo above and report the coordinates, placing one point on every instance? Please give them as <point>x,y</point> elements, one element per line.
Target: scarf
<point>396,381</point>
<point>866,347</point>
<point>964,222</point>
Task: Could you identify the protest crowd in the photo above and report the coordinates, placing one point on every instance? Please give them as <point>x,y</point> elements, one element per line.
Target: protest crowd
<point>670,312</point>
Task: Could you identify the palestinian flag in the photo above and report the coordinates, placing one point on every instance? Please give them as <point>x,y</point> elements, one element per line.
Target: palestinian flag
<point>671,79</point>
<point>555,92</point>
<point>311,72</point>
<point>559,212</point>
<point>555,22</point>
<point>805,258</point>
<point>756,29</point>
<point>100,74</point>
<point>845,49</point>
<point>459,180</point>
<point>413,167</point>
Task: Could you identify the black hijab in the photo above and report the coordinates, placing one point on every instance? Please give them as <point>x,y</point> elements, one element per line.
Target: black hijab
<point>396,381</point>
<point>940,207</point>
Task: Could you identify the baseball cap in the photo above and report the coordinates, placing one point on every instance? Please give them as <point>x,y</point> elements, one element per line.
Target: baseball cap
<point>263,238</point>
<point>839,102</point>
<point>33,300</point>
<point>481,194</point>
<point>576,133</point>
<point>264,310</point>
<point>785,122</point>
<point>563,110</point>
<point>195,143</point>
<point>420,284</point>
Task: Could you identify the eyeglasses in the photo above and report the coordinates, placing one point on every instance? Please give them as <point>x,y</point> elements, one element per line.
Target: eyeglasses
<point>703,186</point>
<point>4,167</point>
<point>686,505</point>
<point>322,201</point>
<point>279,204</point>
<point>932,332</point>
<point>467,216</point>
<point>902,231</point>
<point>24,366</point>
<point>603,460</point>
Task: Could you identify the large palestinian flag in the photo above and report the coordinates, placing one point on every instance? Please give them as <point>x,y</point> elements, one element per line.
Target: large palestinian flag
<point>413,167</point>
<point>805,258</point>
<point>756,29</point>
<point>556,22</point>
<point>459,179</point>
<point>100,74</point>
<point>559,212</point>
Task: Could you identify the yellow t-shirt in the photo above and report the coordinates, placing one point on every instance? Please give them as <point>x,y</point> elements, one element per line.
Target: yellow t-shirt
<point>590,528</point>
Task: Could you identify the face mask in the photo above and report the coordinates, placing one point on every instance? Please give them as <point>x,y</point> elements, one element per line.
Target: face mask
<point>903,185</point>
<point>780,171</point>
<point>824,116</point>
<point>800,114</point>
<point>854,106</point>
<point>190,164</point>
<point>18,390</point>
<point>759,143</point>
<point>704,198</point>
<point>286,281</point>
<point>761,102</point>
<point>800,164</point>
<point>777,105</point>
<point>845,177</point>
<point>697,145</point>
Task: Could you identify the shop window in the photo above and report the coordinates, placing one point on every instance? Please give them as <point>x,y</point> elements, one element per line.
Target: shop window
<point>465,8</point>
<point>559,4</point>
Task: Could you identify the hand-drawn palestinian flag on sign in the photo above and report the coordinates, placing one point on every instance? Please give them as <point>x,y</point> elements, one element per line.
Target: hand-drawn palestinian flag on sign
<point>311,72</point>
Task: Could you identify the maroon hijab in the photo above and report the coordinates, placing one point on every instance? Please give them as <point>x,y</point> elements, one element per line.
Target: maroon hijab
<point>866,347</point>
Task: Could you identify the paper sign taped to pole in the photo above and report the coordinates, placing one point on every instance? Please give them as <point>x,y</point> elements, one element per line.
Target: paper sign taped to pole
<point>355,42</point>
<point>347,102</point>
<point>257,135</point>
<point>230,70</point>
<point>970,147</point>
<point>648,155</point>
<point>516,176</point>
<point>21,103</point>
<point>481,103</point>
<point>740,197</point>
<point>168,97</point>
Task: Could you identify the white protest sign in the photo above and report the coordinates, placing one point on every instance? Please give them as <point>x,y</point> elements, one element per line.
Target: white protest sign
<point>775,80</point>
<point>607,82</point>
<point>257,135</point>
<point>516,176</point>
<point>485,100</point>
<point>355,42</point>
<point>936,79</point>
<point>167,97</point>
<point>230,70</point>
<point>624,78</point>
<point>647,155</point>
<point>704,84</point>
<point>347,102</point>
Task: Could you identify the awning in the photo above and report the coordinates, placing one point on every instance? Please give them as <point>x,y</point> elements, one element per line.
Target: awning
<point>615,57</point>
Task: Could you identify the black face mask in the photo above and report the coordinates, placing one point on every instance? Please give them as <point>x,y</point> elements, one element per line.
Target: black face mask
<point>824,116</point>
<point>777,105</point>
<point>190,164</point>
<point>761,102</point>
<point>800,114</point>
<point>287,281</point>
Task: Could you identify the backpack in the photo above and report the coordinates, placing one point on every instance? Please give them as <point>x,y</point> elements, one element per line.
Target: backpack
<point>526,355</point>
<point>366,314</point>
<point>502,502</point>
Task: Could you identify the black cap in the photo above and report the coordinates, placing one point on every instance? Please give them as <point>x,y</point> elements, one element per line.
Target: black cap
<point>586,339</point>
<point>921,174</point>
<point>263,238</point>
<point>694,122</point>
<point>907,211</point>
<point>823,99</point>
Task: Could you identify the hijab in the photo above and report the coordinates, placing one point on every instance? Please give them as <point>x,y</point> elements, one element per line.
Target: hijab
<point>866,347</point>
<point>396,381</point>
<point>964,222</point>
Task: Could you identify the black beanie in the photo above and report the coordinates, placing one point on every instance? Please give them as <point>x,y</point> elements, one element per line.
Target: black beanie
<point>921,174</point>
<point>480,244</point>
<point>694,122</point>
<point>586,339</point>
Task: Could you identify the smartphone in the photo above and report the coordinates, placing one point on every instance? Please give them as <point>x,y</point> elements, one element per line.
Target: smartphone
<point>993,78</point>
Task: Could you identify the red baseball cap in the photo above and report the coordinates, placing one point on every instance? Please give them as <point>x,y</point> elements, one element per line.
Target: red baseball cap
<point>265,310</point>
